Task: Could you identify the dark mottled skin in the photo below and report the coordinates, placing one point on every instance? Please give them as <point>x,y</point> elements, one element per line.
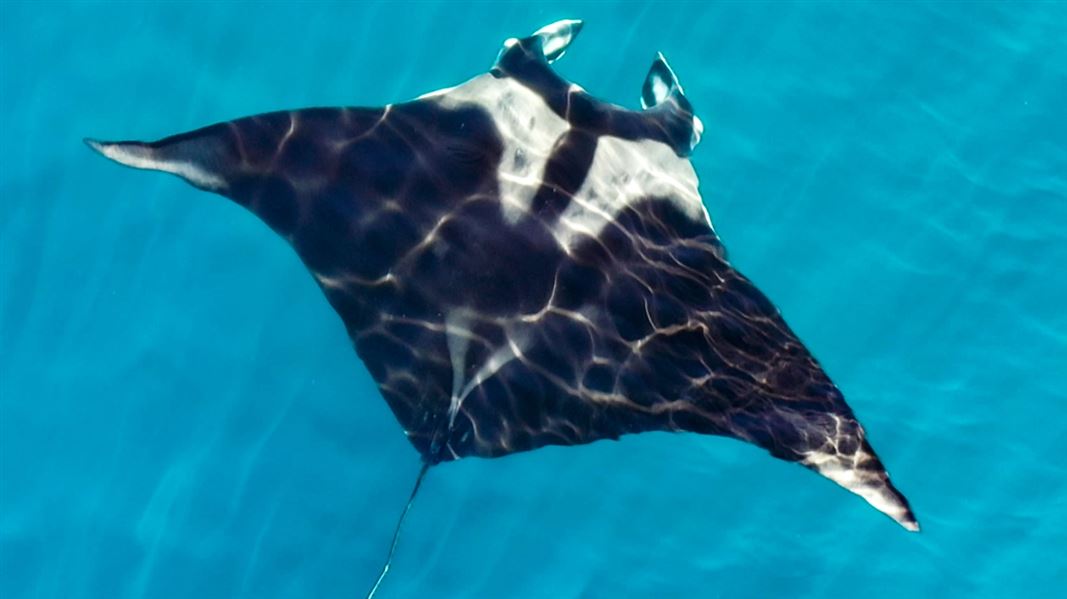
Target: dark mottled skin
<point>645,327</point>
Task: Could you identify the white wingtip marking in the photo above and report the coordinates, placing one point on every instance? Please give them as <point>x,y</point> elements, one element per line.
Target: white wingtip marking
<point>140,156</point>
<point>873,489</point>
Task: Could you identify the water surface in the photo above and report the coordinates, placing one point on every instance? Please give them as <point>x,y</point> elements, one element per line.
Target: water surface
<point>181,414</point>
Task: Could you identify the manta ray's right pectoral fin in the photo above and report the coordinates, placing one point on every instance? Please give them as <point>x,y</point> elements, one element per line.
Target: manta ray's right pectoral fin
<point>206,158</point>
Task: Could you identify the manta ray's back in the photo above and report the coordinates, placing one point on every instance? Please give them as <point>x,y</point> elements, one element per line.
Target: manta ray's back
<point>520,264</point>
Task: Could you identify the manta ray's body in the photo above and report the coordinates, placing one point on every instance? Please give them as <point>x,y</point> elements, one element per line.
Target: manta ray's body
<point>520,264</point>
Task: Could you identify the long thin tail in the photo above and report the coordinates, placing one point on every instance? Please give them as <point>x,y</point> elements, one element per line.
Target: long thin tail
<point>396,533</point>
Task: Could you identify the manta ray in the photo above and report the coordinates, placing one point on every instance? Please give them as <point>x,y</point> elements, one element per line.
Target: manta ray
<point>520,264</point>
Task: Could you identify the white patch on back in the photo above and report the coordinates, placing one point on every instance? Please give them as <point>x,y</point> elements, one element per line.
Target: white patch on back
<point>623,173</point>
<point>529,128</point>
<point>458,334</point>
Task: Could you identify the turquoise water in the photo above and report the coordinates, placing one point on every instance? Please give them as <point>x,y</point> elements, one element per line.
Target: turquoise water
<point>181,414</point>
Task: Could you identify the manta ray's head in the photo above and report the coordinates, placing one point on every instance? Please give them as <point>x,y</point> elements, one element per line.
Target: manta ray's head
<point>524,58</point>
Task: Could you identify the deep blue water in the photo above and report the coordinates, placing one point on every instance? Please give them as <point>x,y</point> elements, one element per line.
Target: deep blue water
<point>181,414</point>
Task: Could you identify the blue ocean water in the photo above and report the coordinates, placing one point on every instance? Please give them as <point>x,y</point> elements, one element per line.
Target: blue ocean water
<point>181,414</point>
